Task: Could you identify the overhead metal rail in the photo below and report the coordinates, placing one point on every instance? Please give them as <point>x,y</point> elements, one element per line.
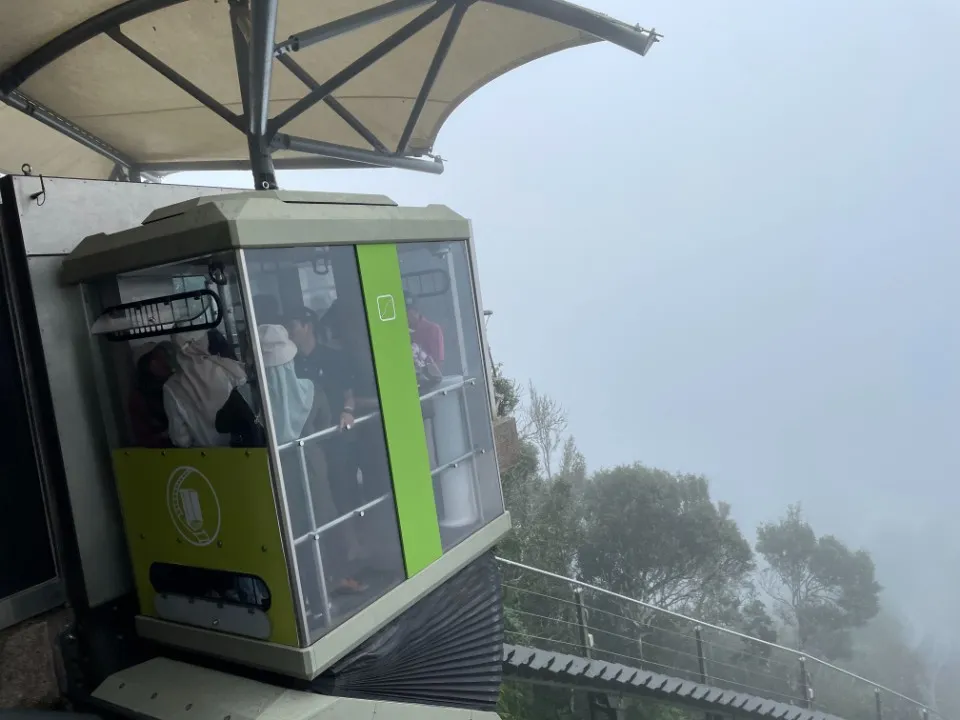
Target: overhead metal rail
<point>253,26</point>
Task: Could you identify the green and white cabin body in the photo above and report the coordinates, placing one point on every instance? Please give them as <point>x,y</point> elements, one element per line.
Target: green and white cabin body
<point>333,540</point>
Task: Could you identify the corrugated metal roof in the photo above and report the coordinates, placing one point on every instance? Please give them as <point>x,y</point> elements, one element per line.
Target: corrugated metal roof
<point>588,674</point>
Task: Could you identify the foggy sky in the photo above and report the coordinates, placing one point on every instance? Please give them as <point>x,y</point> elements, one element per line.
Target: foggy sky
<point>736,256</point>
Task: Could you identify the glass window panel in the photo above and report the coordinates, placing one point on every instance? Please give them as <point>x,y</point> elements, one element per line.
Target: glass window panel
<point>447,347</point>
<point>181,372</point>
<point>316,353</point>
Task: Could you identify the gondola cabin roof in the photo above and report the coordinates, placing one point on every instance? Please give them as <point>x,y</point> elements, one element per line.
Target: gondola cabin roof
<point>218,223</point>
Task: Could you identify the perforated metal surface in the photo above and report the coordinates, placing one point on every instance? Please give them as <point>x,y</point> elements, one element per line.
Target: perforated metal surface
<point>587,674</point>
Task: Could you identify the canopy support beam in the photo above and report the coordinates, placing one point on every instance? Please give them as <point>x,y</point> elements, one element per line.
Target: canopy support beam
<point>348,117</point>
<point>312,162</point>
<point>355,155</point>
<point>346,24</point>
<point>263,30</point>
<point>15,75</point>
<point>28,106</point>
<point>359,65</point>
<point>176,78</point>
<point>254,28</point>
<point>443,47</point>
<point>254,77</point>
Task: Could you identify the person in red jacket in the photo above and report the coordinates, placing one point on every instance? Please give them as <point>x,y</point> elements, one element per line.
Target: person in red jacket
<point>425,333</point>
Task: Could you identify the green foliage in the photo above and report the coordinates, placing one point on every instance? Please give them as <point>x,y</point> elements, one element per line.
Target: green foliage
<point>822,589</point>
<point>505,392</point>
<point>660,537</point>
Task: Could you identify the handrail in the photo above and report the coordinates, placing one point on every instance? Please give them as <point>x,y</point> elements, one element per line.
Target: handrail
<point>443,390</point>
<point>728,631</point>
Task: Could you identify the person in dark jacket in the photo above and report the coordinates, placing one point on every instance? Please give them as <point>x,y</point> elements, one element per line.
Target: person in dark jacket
<point>154,366</point>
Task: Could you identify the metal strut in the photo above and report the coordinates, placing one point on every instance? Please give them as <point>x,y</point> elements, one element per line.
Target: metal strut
<point>254,25</point>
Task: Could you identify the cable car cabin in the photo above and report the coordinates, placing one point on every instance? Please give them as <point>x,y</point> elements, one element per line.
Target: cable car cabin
<point>296,391</point>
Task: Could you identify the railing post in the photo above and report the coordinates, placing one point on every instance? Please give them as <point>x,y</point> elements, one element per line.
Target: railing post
<point>925,713</point>
<point>804,684</point>
<point>876,695</point>
<point>582,621</point>
<point>701,658</point>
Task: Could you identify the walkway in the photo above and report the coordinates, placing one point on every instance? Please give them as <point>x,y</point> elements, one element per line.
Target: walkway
<point>563,631</point>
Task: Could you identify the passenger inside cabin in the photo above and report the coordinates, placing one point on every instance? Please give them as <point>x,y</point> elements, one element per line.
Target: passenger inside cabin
<point>427,334</point>
<point>299,407</point>
<point>154,366</point>
<point>267,309</point>
<point>197,392</point>
<point>345,326</point>
<point>328,367</point>
<point>291,397</point>
<point>219,345</point>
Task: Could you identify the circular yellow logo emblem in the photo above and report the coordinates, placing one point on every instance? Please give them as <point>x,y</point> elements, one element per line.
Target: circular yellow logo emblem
<point>193,505</point>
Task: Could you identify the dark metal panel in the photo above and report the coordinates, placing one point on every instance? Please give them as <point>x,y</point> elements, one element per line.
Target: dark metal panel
<point>541,666</point>
<point>445,650</point>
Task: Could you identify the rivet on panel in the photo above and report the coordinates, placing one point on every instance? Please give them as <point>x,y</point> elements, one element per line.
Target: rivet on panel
<point>219,543</point>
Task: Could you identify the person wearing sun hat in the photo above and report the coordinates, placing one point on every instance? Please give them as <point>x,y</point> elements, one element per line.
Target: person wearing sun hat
<point>293,405</point>
<point>291,398</point>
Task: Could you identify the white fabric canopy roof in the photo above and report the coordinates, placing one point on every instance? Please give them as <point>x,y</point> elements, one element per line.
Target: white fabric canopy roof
<point>62,62</point>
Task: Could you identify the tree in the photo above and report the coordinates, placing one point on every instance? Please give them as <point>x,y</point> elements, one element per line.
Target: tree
<point>544,424</point>
<point>659,538</point>
<point>821,588</point>
<point>505,392</point>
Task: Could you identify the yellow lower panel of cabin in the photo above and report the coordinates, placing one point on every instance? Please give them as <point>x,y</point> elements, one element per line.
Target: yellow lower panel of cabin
<point>213,509</point>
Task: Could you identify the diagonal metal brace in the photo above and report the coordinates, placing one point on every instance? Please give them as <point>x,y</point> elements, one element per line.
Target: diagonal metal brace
<point>358,66</point>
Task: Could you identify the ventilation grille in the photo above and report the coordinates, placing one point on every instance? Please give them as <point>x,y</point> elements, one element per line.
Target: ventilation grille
<point>445,650</point>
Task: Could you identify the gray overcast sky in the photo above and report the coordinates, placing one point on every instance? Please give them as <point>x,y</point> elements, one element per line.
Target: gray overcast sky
<point>736,256</point>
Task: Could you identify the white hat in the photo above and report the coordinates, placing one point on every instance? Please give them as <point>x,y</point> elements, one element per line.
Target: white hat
<point>276,345</point>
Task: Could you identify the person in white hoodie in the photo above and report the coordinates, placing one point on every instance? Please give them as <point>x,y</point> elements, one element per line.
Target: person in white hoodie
<point>194,395</point>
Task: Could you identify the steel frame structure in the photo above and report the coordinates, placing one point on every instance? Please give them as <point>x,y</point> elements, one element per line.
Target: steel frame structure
<point>253,24</point>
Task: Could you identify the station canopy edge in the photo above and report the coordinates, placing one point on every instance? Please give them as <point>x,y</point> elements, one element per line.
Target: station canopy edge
<point>130,89</point>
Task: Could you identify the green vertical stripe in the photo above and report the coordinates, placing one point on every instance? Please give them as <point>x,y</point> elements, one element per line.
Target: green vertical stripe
<point>400,404</point>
